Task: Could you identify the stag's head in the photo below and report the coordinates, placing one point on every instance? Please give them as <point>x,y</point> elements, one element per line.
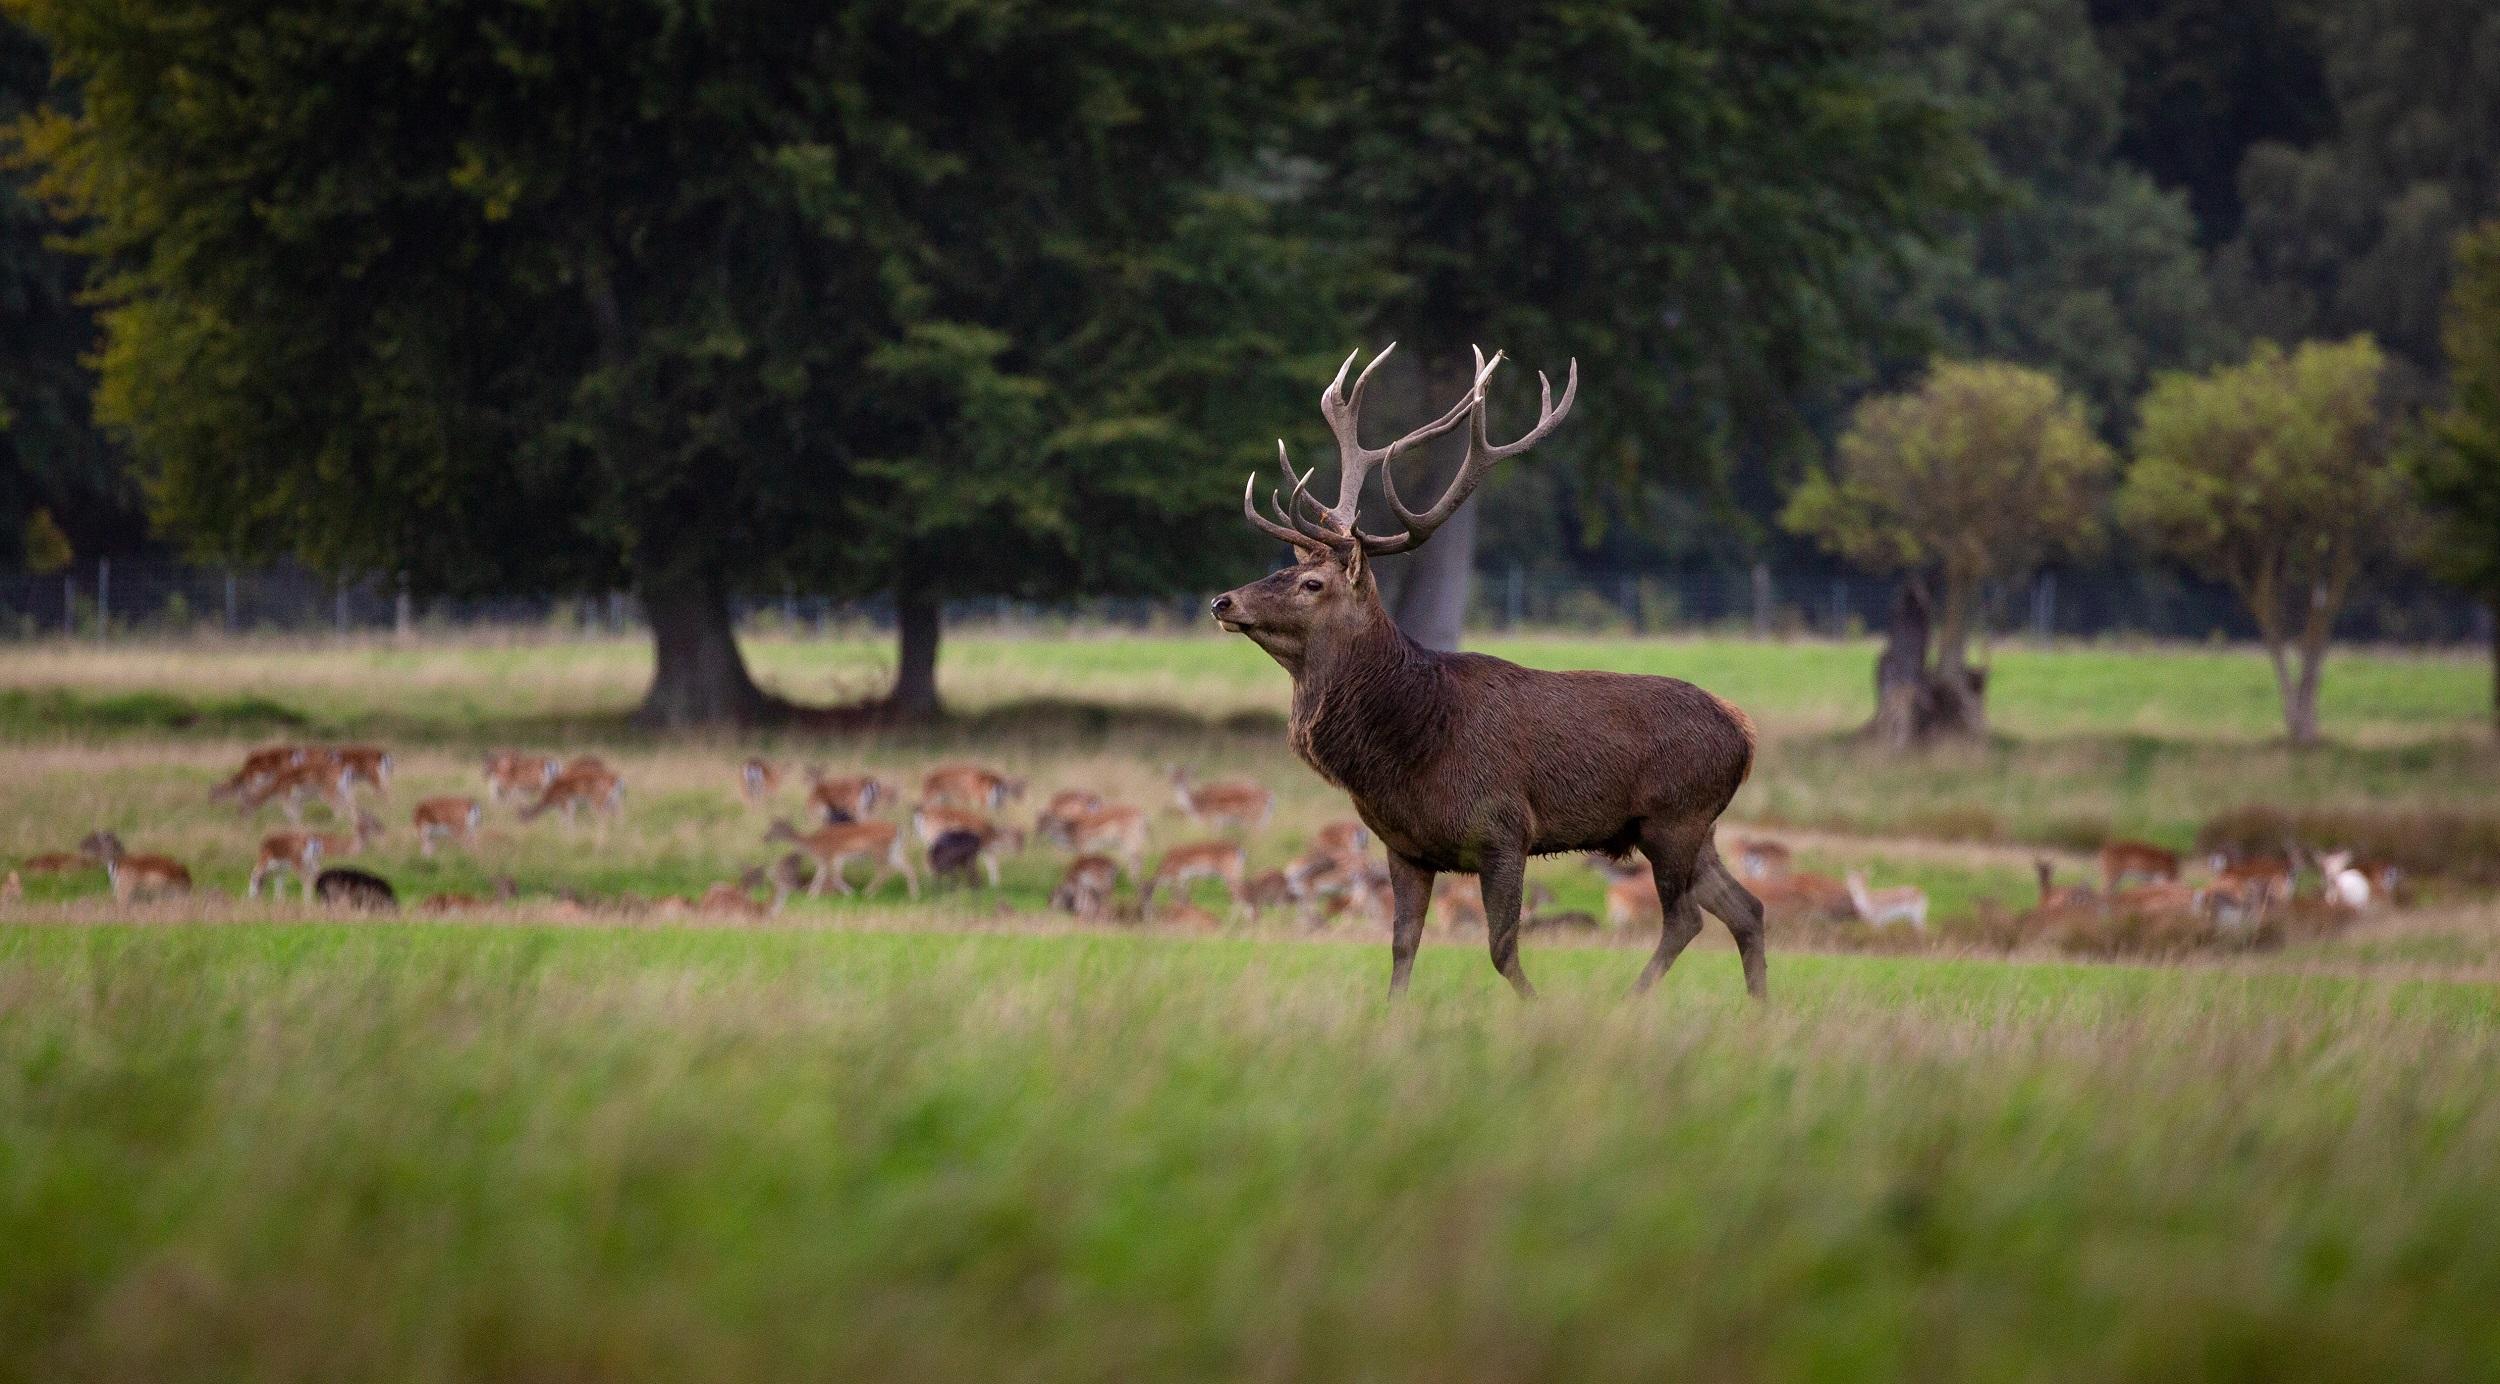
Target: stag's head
<point>1329,589</point>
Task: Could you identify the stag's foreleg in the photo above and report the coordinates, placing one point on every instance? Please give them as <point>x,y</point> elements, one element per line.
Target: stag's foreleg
<point>1503,877</point>
<point>1411,885</point>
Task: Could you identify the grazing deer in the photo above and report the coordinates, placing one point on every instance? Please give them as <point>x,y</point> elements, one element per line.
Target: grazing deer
<point>836,846</point>
<point>365,764</point>
<point>1460,762</point>
<point>1183,866</point>
<point>586,782</point>
<point>849,798</point>
<point>1066,805</point>
<point>1268,889</point>
<point>1902,903</point>
<point>2054,896</point>
<point>133,876</point>
<point>441,819</point>
<point>300,854</point>
<point>2124,860</point>
<point>343,886</point>
<point>316,777</point>
<point>991,841</point>
<point>966,785</point>
<point>952,854</point>
<point>1116,830</point>
<point>759,780</point>
<point>1758,859</point>
<point>1085,890</point>
<point>258,765</point>
<point>511,774</point>
<point>1230,806</point>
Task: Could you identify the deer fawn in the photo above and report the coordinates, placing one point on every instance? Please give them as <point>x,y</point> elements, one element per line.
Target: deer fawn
<point>1183,866</point>
<point>966,785</point>
<point>1229,806</point>
<point>134,876</point>
<point>511,774</point>
<point>441,819</point>
<point>1905,903</point>
<point>2124,860</point>
<point>836,846</point>
<point>300,854</point>
<point>586,782</point>
<point>1460,762</point>
<point>847,799</point>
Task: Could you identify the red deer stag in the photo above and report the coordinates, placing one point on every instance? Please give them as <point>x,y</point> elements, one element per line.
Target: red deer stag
<point>1460,762</point>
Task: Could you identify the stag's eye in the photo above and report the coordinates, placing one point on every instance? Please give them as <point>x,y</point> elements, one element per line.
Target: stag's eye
<point>1312,583</point>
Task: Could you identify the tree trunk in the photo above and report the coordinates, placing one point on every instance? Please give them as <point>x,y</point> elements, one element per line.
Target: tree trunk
<point>918,619</point>
<point>698,677</point>
<point>2495,668</point>
<point>2300,714</point>
<point>1429,598</point>
<point>1918,700</point>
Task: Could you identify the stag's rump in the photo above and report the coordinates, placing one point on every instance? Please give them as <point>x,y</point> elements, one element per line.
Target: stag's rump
<point>1593,756</point>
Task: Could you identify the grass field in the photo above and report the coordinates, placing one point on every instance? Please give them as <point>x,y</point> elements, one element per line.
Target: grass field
<point>958,1138</point>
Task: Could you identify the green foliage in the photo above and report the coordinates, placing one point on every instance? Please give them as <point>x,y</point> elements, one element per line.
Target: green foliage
<point>2081,266</point>
<point>1984,471</point>
<point>44,548</point>
<point>2457,466</point>
<point>2272,475</point>
<point>2352,233</point>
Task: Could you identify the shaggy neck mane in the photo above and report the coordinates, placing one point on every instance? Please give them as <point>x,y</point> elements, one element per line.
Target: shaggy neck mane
<point>1369,707</point>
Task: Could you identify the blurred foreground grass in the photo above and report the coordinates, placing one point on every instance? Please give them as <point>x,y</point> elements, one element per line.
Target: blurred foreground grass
<point>497,1152</point>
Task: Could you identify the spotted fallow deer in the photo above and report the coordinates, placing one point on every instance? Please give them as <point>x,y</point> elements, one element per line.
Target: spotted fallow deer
<point>258,766</point>
<point>446,819</point>
<point>1183,866</point>
<point>586,782</point>
<point>302,854</point>
<point>846,797</point>
<point>2125,860</point>
<point>758,779</point>
<point>1114,829</point>
<point>967,785</point>
<point>132,876</point>
<point>318,777</point>
<point>511,774</point>
<point>1459,762</point>
<point>838,845</point>
<point>1233,805</point>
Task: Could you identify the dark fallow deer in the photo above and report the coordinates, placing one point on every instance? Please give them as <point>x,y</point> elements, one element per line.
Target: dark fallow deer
<point>1459,762</point>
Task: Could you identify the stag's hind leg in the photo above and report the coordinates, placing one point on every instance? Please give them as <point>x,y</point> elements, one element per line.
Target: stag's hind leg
<point>1673,864</point>
<point>1734,904</point>
<point>1503,879</point>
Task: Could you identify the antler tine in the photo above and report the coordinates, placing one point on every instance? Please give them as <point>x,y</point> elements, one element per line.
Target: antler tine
<point>1250,511</point>
<point>1356,461</point>
<point>1481,453</point>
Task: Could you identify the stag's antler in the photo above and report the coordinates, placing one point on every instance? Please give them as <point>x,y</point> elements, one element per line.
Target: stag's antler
<point>1302,521</point>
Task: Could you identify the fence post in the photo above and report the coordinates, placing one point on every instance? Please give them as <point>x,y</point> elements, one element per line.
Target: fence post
<point>103,598</point>
<point>1761,599</point>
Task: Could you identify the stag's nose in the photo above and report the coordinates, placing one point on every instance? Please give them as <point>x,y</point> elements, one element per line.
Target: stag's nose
<point>1222,604</point>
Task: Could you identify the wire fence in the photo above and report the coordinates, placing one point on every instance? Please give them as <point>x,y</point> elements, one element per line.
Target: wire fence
<point>107,600</point>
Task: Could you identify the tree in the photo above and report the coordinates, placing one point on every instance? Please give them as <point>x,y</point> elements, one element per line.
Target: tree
<point>2081,266</point>
<point>2276,477</point>
<point>2457,464</point>
<point>1672,194</point>
<point>1981,473</point>
<point>628,296</point>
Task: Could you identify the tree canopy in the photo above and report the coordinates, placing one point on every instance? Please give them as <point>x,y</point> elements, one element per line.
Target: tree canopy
<point>2275,476</point>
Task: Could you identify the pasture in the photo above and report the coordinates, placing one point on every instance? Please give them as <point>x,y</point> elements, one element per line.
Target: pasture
<point>959,1136</point>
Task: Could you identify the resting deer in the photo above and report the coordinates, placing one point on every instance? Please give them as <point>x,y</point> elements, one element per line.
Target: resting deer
<point>442,819</point>
<point>838,845</point>
<point>849,798</point>
<point>154,876</point>
<point>1230,806</point>
<point>1902,903</point>
<point>1460,762</point>
<point>511,774</point>
<point>2056,897</point>
<point>966,785</point>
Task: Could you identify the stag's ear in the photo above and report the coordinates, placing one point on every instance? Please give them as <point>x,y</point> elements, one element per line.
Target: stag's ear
<point>1354,560</point>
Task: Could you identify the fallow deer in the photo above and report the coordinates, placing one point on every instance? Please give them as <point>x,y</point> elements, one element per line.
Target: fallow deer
<point>1901,903</point>
<point>258,765</point>
<point>1460,762</point>
<point>1233,805</point>
<point>343,886</point>
<point>154,876</point>
<point>317,777</point>
<point>2125,860</point>
<point>366,764</point>
<point>1342,838</point>
<point>1086,889</point>
<point>1757,859</point>
<point>301,853</point>
<point>1802,893</point>
<point>1183,866</point>
<point>835,846</point>
<point>2343,886</point>
<point>848,798</point>
<point>758,780</point>
<point>951,857</point>
<point>446,819</point>
<point>1066,805</point>
<point>967,785</point>
<point>59,862</point>
<point>586,782</point>
<point>511,774</point>
<point>2054,896</point>
<point>1115,830</point>
<point>12,889</point>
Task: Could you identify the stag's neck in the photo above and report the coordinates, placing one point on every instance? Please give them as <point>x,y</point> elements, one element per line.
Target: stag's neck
<point>1370,709</point>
